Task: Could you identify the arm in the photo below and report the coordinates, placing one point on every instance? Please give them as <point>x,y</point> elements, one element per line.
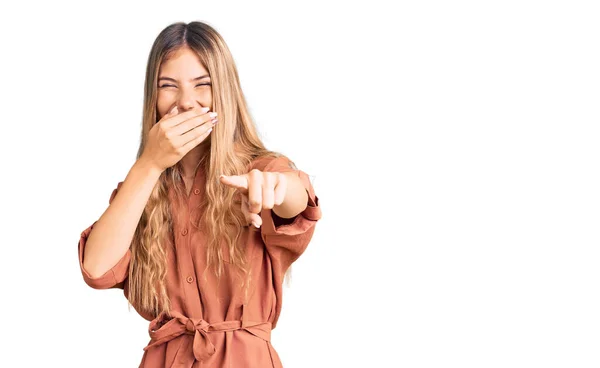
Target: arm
<point>109,241</point>
<point>286,231</point>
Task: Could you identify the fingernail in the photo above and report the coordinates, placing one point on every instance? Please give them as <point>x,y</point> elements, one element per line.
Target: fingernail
<point>212,114</point>
<point>255,225</point>
<point>204,109</point>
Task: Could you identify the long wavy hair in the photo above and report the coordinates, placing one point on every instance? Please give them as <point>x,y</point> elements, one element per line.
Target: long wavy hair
<point>234,145</point>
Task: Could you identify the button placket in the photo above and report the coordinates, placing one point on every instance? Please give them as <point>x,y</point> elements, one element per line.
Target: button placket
<point>187,234</point>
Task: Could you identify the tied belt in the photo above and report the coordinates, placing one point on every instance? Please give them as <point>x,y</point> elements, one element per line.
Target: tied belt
<point>203,347</point>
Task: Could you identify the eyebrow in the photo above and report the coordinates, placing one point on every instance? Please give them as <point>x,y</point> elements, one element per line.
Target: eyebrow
<point>191,80</point>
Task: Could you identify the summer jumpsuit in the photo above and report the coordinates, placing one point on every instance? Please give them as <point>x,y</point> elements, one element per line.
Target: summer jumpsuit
<point>211,324</point>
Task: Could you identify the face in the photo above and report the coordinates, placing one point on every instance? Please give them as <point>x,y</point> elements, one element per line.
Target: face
<point>183,81</point>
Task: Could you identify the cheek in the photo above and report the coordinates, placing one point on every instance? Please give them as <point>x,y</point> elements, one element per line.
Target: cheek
<point>205,97</point>
<point>161,107</point>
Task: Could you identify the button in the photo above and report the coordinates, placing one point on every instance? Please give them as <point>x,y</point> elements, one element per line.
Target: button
<point>184,232</point>
<point>189,279</point>
<point>196,191</point>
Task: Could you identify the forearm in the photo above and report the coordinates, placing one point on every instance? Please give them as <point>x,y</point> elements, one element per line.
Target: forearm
<point>296,197</point>
<point>113,232</point>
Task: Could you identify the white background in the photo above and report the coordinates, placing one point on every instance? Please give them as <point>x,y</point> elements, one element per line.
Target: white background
<point>454,148</point>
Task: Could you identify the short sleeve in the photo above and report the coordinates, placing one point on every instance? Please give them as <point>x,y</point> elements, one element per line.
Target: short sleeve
<point>114,277</point>
<point>287,239</point>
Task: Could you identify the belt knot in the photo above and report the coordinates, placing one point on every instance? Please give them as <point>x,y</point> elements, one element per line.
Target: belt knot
<point>164,328</point>
<point>193,324</point>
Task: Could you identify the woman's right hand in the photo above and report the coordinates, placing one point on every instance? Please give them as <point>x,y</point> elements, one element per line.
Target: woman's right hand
<point>175,135</point>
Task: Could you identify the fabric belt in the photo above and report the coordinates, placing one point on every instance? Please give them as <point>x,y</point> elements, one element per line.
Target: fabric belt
<point>203,348</point>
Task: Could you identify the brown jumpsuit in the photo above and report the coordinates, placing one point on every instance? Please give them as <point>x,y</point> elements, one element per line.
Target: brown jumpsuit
<point>211,325</point>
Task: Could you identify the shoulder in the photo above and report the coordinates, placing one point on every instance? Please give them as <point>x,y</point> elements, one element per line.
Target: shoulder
<point>273,162</point>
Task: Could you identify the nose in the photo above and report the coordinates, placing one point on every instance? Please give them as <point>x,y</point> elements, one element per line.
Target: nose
<point>187,102</point>
<point>185,105</point>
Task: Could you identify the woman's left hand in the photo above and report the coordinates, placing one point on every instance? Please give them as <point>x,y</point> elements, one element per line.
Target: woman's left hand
<point>260,190</point>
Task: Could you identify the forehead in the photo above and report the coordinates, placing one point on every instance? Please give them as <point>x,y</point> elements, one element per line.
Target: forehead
<point>183,62</point>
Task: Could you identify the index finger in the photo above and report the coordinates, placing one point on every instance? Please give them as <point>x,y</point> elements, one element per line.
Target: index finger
<point>239,182</point>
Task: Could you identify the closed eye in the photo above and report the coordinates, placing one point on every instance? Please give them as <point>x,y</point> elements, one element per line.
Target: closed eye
<point>170,85</point>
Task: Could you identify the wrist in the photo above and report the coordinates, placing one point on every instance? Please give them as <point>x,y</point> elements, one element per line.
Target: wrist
<point>148,168</point>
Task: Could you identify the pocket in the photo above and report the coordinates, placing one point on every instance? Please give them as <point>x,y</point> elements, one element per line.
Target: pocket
<point>174,355</point>
<point>275,361</point>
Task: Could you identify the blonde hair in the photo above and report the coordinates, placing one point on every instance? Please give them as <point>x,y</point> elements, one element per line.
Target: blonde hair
<point>234,145</point>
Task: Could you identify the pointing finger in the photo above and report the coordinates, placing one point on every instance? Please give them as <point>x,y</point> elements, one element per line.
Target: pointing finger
<point>239,182</point>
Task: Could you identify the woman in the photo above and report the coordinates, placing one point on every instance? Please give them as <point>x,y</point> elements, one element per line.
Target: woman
<point>200,255</point>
